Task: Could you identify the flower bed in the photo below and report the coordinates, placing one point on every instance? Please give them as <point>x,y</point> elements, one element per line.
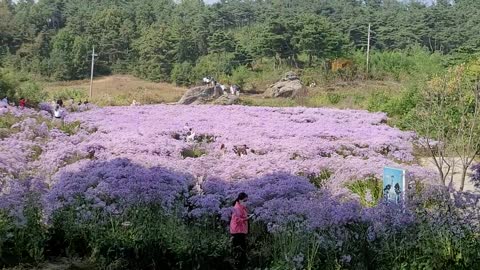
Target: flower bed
<point>297,165</point>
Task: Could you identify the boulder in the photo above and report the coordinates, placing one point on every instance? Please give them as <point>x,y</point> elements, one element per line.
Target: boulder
<point>289,86</point>
<point>226,100</point>
<point>201,95</point>
<point>290,76</point>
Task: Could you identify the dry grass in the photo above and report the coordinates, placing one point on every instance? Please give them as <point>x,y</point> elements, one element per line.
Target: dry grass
<point>351,95</point>
<point>121,90</point>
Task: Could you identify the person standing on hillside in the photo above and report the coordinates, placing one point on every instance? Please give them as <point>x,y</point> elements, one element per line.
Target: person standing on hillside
<point>22,102</point>
<point>239,230</point>
<point>4,102</point>
<point>57,112</point>
<point>224,89</point>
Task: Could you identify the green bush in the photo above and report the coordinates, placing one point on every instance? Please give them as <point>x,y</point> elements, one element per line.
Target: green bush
<point>70,128</point>
<point>182,74</point>
<point>319,179</point>
<point>218,65</point>
<point>241,76</point>
<point>68,93</point>
<point>32,92</point>
<point>146,236</point>
<point>142,237</point>
<point>369,190</point>
<point>412,62</point>
<point>334,98</point>
<point>7,86</point>
<point>25,243</point>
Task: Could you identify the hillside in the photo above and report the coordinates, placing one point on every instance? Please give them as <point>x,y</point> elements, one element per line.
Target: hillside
<point>120,90</point>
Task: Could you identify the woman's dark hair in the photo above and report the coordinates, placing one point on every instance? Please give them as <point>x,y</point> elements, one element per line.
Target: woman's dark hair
<point>240,197</point>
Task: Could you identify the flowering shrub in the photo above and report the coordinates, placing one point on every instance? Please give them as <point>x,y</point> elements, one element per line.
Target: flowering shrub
<point>475,177</point>
<point>106,176</point>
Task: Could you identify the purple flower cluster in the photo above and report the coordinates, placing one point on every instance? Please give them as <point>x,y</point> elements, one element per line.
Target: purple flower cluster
<point>475,176</point>
<point>115,184</point>
<point>125,156</point>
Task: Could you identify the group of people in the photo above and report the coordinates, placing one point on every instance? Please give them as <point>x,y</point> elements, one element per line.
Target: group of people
<point>233,89</point>
<point>4,103</point>
<point>58,107</point>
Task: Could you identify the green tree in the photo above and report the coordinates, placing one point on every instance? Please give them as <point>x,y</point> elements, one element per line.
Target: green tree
<point>448,119</point>
<point>182,74</point>
<point>69,57</point>
<point>155,50</point>
<point>317,38</point>
<point>276,40</point>
<point>112,30</point>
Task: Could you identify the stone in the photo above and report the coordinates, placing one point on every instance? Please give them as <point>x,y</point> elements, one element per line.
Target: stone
<point>226,100</point>
<point>289,86</point>
<point>201,95</point>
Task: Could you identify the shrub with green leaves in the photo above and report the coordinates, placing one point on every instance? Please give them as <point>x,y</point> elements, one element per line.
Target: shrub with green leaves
<point>32,92</point>
<point>69,93</point>
<point>369,190</point>
<point>182,74</point>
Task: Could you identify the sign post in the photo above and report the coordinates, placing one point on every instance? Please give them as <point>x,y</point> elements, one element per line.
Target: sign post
<point>393,184</point>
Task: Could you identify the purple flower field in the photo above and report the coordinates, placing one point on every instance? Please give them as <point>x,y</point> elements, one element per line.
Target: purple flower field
<point>121,156</point>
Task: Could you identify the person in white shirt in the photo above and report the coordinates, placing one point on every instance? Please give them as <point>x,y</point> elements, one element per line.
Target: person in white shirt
<point>224,88</point>
<point>191,135</point>
<point>57,113</point>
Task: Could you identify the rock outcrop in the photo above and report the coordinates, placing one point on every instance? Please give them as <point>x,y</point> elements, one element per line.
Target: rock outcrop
<point>226,100</point>
<point>201,95</point>
<point>289,86</point>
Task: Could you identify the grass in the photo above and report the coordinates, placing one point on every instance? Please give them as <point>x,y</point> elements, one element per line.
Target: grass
<point>120,90</point>
<point>6,122</point>
<point>343,95</point>
<point>369,190</point>
<point>123,89</point>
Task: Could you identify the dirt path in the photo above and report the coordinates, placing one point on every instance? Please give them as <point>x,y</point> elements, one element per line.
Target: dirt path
<point>457,173</point>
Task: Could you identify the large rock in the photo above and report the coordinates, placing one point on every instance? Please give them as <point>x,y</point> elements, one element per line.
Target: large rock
<point>201,95</point>
<point>289,86</point>
<point>226,100</point>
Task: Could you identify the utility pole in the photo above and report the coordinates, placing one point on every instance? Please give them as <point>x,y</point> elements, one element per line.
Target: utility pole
<point>368,48</point>
<point>91,72</point>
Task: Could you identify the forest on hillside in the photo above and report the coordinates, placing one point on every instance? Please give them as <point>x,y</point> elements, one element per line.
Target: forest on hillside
<point>167,40</point>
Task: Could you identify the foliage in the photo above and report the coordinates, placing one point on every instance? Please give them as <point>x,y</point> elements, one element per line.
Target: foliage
<point>97,196</point>
<point>369,190</point>
<point>216,65</point>
<point>7,86</point>
<point>70,93</point>
<point>32,92</point>
<point>155,50</point>
<point>147,38</point>
<point>69,59</point>
<point>70,128</point>
<point>452,100</point>
<point>182,74</point>
<point>140,237</point>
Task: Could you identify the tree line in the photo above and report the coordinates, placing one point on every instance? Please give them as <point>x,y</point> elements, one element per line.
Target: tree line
<point>166,40</point>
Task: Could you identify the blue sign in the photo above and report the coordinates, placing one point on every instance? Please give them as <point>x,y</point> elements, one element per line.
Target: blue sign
<point>393,184</point>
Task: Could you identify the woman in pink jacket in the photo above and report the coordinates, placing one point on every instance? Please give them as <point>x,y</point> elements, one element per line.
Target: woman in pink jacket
<point>239,230</point>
